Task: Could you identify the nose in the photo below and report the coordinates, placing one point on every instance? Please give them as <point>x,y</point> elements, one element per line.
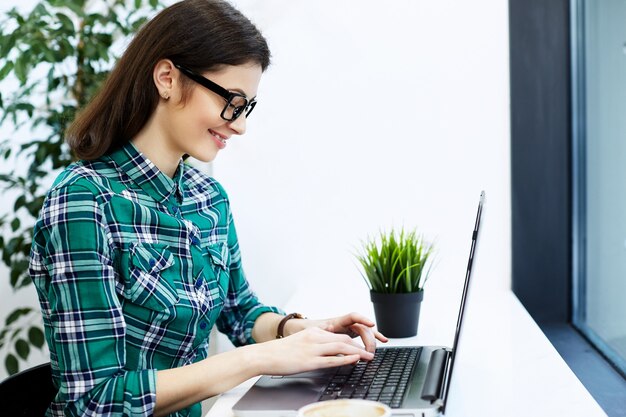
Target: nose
<point>239,125</point>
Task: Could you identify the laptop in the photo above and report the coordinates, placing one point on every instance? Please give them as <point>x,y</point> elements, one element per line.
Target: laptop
<point>412,380</point>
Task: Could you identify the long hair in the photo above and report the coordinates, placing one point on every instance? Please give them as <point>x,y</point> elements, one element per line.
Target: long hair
<point>199,34</point>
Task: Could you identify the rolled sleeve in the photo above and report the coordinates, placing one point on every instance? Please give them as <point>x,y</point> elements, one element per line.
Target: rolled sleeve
<point>73,270</point>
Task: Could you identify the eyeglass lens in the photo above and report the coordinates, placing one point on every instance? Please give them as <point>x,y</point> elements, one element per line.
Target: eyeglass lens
<point>235,106</point>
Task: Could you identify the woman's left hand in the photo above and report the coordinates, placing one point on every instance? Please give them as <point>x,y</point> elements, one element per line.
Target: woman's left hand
<point>353,324</point>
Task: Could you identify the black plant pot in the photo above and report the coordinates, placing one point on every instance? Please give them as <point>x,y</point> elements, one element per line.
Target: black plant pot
<point>397,315</point>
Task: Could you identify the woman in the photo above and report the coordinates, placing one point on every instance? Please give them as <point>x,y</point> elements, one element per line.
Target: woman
<point>135,255</point>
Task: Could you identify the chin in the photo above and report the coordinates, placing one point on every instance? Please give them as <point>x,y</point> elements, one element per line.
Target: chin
<point>203,151</point>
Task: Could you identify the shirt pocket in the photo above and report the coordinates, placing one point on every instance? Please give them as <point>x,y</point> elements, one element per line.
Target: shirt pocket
<point>219,257</point>
<point>146,284</point>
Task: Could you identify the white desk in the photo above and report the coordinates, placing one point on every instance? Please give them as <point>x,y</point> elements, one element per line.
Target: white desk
<point>505,365</point>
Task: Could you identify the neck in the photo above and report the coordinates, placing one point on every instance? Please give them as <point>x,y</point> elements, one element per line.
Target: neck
<point>151,142</point>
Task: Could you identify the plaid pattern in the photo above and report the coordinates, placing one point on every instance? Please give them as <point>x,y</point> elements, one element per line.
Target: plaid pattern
<point>133,269</point>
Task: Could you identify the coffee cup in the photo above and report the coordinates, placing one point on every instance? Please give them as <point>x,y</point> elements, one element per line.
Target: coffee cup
<point>345,408</point>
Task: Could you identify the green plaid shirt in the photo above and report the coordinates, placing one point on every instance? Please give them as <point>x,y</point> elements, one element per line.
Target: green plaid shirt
<point>133,269</point>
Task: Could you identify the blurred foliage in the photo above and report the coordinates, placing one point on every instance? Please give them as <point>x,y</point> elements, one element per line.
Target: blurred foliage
<point>52,61</point>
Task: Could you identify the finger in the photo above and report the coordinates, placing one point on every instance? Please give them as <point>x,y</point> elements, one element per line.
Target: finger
<point>349,339</point>
<point>366,335</point>
<point>354,318</point>
<point>380,336</point>
<point>342,324</point>
<point>346,339</point>
<point>318,335</point>
<point>334,361</point>
<point>333,349</point>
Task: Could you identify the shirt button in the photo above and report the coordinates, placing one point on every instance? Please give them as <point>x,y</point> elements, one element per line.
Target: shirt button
<point>203,325</point>
<point>194,240</point>
<point>152,263</point>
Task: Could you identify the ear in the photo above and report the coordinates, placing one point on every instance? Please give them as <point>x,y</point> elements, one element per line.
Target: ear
<point>164,79</point>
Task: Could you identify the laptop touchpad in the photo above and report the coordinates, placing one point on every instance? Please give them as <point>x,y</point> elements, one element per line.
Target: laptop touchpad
<point>287,393</point>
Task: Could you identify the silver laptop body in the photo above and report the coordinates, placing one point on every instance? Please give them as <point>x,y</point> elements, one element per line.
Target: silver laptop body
<point>426,394</point>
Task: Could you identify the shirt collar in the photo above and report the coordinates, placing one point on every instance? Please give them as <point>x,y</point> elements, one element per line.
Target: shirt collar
<point>147,176</point>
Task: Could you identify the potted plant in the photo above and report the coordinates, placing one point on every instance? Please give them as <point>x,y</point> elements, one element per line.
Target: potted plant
<point>396,266</point>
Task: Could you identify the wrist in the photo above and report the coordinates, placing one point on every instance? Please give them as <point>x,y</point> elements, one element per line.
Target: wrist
<point>286,325</point>
<point>253,357</point>
<point>293,326</point>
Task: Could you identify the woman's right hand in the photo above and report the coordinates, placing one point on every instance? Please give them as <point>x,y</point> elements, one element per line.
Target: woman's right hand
<point>306,350</point>
<point>309,349</point>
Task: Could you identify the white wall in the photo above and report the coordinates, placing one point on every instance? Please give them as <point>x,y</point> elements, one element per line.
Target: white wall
<point>373,114</point>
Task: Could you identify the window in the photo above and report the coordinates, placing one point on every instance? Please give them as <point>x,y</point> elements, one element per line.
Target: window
<point>599,174</point>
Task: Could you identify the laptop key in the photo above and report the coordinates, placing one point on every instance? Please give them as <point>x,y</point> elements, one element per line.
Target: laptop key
<point>389,390</point>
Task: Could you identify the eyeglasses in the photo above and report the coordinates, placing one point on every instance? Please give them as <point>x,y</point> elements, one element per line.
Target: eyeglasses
<point>236,103</point>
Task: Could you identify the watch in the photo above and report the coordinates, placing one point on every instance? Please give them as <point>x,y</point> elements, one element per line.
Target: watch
<point>281,325</point>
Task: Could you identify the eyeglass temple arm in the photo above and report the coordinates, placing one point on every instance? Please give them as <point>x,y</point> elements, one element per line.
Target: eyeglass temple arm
<point>205,82</point>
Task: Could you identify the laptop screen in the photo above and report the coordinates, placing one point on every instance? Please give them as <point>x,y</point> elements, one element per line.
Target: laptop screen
<point>459,322</point>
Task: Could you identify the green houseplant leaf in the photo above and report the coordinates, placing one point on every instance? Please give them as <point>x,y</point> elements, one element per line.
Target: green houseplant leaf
<point>11,364</point>
<point>396,262</point>
<point>16,314</point>
<point>22,348</point>
<point>36,337</point>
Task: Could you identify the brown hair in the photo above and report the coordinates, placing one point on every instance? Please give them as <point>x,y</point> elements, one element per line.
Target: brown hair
<point>199,34</point>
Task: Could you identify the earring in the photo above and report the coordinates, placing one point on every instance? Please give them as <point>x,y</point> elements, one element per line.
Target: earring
<point>165,95</point>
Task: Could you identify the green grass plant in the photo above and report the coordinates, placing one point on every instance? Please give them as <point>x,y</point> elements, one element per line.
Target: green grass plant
<point>396,262</point>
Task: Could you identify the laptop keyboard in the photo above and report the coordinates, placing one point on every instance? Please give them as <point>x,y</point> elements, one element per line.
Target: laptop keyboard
<point>383,379</point>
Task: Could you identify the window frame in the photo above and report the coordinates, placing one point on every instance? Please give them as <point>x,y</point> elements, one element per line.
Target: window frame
<point>579,187</point>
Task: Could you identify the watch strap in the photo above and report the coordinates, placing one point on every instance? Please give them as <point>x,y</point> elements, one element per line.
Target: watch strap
<point>281,325</point>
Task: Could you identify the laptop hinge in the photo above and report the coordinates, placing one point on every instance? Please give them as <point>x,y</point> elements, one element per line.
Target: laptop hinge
<point>436,382</point>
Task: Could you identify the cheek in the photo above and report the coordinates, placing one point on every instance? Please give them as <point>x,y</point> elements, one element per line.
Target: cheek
<point>191,122</point>
<point>203,112</point>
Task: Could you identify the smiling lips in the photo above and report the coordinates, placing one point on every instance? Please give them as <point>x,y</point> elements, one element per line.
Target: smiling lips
<point>219,139</point>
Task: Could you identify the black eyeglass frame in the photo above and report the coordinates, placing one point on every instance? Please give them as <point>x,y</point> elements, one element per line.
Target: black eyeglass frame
<point>229,96</point>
